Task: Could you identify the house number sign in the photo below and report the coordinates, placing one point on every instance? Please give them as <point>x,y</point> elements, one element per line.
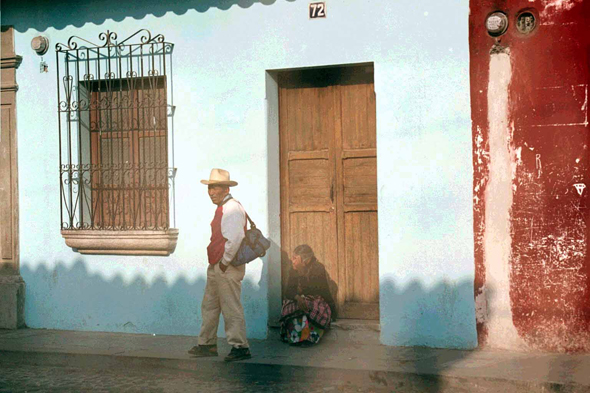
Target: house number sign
<point>317,10</point>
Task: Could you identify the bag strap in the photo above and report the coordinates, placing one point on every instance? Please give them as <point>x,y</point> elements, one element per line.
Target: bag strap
<point>252,225</point>
<point>226,201</point>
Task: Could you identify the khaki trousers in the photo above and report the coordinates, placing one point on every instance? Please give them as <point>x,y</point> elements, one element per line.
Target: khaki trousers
<point>222,295</point>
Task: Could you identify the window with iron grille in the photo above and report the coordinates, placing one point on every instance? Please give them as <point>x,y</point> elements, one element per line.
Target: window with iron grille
<point>116,137</point>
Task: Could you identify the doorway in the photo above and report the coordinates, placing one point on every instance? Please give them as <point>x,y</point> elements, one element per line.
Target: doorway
<point>328,177</point>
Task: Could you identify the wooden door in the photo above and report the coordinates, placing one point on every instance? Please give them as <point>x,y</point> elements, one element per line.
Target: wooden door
<point>329,179</point>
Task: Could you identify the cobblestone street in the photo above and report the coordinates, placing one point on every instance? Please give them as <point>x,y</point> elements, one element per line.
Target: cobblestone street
<point>36,360</point>
<point>18,377</point>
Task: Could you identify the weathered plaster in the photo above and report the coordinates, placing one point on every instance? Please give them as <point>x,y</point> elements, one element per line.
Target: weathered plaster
<point>497,239</point>
<point>556,6</point>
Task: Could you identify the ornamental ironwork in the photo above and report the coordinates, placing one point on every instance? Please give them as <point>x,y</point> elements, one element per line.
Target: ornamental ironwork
<point>116,151</point>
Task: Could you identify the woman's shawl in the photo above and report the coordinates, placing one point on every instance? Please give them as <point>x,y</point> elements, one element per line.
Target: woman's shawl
<point>313,283</point>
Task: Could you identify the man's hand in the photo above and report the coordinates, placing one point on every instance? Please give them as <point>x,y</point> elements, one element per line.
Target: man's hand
<point>301,303</point>
<point>222,266</point>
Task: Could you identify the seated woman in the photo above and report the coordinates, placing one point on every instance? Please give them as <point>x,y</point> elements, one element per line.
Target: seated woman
<point>308,306</point>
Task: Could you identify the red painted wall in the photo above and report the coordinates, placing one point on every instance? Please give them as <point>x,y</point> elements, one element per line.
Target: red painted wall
<point>549,137</point>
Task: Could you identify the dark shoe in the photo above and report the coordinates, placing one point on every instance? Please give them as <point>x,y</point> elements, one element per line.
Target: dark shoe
<point>238,354</point>
<point>203,350</point>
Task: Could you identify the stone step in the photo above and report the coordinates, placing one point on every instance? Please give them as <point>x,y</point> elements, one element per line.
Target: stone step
<point>346,331</point>
<point>354,331</point>
<point>357,324</point>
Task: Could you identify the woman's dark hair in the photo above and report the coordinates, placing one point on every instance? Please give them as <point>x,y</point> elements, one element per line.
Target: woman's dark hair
<point>304,251</point>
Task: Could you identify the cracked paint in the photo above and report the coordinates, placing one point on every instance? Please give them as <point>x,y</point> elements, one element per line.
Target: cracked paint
<point>555,6</point>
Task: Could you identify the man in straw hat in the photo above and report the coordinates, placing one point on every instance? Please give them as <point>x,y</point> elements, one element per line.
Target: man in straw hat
<point>224,281</point>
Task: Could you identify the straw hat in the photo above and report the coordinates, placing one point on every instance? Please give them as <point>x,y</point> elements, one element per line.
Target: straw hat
<point>219,177</point>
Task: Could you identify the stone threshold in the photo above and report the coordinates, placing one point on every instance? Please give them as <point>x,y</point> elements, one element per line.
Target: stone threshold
<point>357,324</point>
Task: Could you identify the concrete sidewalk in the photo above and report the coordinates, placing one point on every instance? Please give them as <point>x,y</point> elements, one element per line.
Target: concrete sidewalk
<point>399,369</point>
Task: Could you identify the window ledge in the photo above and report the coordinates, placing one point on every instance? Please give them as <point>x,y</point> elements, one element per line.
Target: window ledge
<point>84,241</point>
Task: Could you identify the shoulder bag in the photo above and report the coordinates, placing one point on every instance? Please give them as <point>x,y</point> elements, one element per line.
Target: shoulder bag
<point>252,247</point>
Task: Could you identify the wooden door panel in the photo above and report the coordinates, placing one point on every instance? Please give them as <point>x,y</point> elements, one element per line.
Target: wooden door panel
<point>356,163</point>
<point>307,172</point>
<point>309,185</point>
<point>309,128</point>
<point>360,182</point>
<point>361,298</point>
<point>361,255</point>
<point>317,230</point>
<point>358,116</point>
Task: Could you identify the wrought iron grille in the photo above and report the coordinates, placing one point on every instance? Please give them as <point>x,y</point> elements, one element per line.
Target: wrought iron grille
<point>116,132</point>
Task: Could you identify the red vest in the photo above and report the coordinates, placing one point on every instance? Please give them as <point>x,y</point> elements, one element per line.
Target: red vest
<point>216,247</point>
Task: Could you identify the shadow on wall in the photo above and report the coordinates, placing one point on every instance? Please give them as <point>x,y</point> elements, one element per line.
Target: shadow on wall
<point>72,298</point>
<point>421,317</point>
<point>438,316</point>
<point>33,14</point>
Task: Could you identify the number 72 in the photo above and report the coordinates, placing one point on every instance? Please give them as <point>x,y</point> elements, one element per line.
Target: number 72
<point>317,10</point>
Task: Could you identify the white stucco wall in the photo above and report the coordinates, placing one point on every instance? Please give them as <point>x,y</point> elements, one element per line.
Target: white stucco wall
<point>220,64</point>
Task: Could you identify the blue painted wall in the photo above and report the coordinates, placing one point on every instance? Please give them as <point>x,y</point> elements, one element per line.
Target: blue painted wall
<point>222,53</point>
